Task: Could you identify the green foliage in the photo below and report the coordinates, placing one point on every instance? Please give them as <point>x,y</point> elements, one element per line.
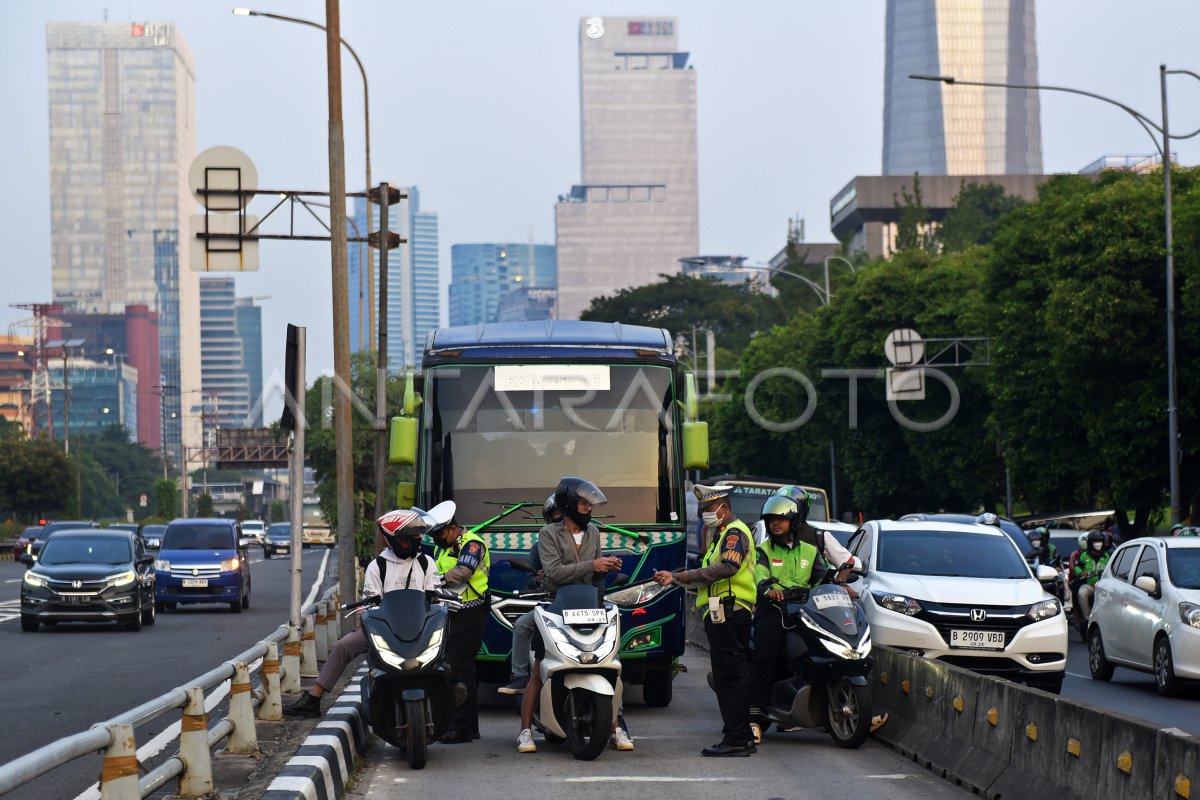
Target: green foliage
<point>166,498</point>
<point>973,220</point>
<point>913,230</point>
<point>36,479</point>
<point>114,473</point>
<point>204,505</point>
<point>278,514</point>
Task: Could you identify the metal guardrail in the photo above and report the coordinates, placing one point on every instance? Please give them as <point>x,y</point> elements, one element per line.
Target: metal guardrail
<point>191,764</point>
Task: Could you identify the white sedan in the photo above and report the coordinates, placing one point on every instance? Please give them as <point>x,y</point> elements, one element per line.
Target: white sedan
<point>1146,614</point>
<point>963,594</point>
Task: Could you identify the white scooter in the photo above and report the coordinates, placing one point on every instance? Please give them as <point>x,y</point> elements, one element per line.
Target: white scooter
<point>581,674</point>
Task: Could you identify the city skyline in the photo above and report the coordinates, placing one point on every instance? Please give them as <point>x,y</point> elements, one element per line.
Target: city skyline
<point>790,108</point>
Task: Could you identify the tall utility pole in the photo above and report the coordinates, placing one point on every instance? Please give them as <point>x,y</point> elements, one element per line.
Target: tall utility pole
<point>341,306</point>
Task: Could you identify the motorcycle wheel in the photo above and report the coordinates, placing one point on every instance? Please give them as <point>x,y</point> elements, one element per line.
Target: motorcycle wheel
<point>589,723</point>
<point>849,713</point>
<point>416,747</point>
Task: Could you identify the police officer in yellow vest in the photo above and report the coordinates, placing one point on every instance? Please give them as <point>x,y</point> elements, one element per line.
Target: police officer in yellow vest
<point>462,557</point>
<point>726,598</point>
<point>786,568</point>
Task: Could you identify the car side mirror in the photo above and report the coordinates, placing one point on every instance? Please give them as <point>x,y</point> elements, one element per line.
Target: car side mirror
<point>26,559</point>
<point>244,541</point>
<point>1046,573</point>
<point>1148,584</point>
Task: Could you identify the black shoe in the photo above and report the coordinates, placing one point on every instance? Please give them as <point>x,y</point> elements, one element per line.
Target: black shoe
<point>456,737</point>
<point>307,706</point>
<point>723,749</point>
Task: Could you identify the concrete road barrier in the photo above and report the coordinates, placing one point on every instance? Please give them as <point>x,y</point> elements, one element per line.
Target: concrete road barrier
<point>1005,740</point>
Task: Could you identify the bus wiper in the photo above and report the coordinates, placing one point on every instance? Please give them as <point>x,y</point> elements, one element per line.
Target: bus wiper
<point>644,538</point>
<point>500,516</point>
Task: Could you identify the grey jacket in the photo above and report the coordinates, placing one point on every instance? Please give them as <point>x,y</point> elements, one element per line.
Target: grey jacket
<point>562,563</point>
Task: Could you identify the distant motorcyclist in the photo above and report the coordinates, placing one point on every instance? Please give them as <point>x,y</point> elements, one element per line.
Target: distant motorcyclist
<point>1044,551</point>
<point>1087,569</point>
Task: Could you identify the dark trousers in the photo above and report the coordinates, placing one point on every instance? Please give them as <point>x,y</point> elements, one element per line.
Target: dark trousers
<point>766,645</point>
<point>466,634</point>
<point>729,650</point>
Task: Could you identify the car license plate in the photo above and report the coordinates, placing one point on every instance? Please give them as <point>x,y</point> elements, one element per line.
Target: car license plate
<point>585,616</point>
<point>76,599</point>
<point>977,640</point>
<point>195,583</point>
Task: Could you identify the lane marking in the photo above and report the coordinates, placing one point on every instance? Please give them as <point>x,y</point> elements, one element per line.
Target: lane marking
<point>893,777</point>
<point>1077,675</point>
<point>643,779</point>
<point>13,580</point>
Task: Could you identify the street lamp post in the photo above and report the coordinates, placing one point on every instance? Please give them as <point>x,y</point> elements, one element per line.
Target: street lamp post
<point>1164,152</point>
<point>822,292</point>
<point>249,12</point>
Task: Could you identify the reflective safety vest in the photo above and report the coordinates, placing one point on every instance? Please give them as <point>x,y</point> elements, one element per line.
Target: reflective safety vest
<point>447,559</point>
<point>741,586</point>
<point>791,566</point>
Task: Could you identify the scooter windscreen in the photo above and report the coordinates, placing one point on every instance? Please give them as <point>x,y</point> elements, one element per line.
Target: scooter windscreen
<point>578,595</point>
<point>832,607</point>
<point>404,611</point>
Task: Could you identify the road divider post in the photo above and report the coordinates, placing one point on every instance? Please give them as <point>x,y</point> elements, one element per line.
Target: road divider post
<point>308,649</point>
<point>119,770</point>
<point>290,680</point>
<point>322,632</point>
<point>196,780</point>
<point>271,709</point>
<point>244,737</point>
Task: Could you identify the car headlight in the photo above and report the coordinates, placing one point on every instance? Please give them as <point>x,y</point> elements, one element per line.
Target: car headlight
<point>121,579</point>
<point>898,603</point>
<point>162,565</point>
<point>1190,612</point>
<point>230,565</point>
<point>34,580</point>
<point>635,595</point>
<point>1044,610</point>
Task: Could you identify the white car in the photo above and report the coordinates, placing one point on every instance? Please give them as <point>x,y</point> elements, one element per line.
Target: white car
<point>961,593</point>
<point>1146,613</point>
<point>254,530</point>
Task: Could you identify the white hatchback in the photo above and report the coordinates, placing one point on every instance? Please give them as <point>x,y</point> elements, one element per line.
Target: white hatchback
<point>963,594</point>
<point>1146,614</point>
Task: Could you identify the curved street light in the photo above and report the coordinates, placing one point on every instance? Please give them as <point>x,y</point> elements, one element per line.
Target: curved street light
<point>823,293</point>
<point>1164,152</point>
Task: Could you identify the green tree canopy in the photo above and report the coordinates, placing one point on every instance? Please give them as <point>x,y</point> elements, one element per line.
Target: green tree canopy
<point>36,479</point>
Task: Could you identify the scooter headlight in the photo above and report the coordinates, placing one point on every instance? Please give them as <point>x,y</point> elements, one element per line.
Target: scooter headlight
<point>385,652</point>
<point>564,645</point>
<point>431,652</point>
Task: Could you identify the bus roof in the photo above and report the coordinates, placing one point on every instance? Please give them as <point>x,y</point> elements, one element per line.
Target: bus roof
<point>550,333</point>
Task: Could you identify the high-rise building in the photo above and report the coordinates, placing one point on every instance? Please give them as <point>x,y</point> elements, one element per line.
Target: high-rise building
<point>636,210</point>
<point>936,129</point>
<point>414,293</point>
<point>224,384</point>
<point>122,137</point>
<point>249,328</point>
<point>480,274</point>
<point>102,393</point>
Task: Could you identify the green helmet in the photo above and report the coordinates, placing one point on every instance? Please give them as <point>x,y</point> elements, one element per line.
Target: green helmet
<point>801,498</point>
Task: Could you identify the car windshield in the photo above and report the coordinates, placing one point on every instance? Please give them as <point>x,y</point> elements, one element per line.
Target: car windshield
<point>1183,566</point>
<point>252,526</point>
<point>959,554</point>
<point>276,532</point>
<point>198,537</point>
<point>486,445</point>
<point>86,550</point>
<point>153,530</point>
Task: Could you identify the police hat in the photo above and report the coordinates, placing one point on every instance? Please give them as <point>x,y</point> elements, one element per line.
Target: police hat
<point>708,494</point>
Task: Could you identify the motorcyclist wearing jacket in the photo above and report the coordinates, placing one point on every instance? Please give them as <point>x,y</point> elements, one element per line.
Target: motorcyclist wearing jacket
<point>526,624</point>
<point>1044,551</point>
<point>727,577</point>
<point>401,565</point>
<point>786,568</point>
<point>1088,568</point>
<point>831,549</point>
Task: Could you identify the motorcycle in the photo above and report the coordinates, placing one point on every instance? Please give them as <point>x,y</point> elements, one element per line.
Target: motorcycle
<point>580,671</point>
<point>408,692</point>
<point>825,661</point>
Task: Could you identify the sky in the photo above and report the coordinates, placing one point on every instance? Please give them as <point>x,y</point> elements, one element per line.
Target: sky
<point>477,103</point>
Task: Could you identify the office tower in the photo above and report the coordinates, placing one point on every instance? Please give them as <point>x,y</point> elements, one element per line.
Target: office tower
<point>936,129</point>
<point>122,136</point>
<point>103,392</point>
<point>249,328</point>
<point>224,399</point>
<point>636,211</point>
<point>414,294</point>
<point>480,274</point>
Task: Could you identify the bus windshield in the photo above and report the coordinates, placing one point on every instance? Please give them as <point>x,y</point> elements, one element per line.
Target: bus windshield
<point>507,433</point>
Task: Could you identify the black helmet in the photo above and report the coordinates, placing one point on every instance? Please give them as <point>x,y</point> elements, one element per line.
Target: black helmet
<point>403,528</point>
<point>1038,533</point>
<point>797,495</point>
<point>568,494</point>
<point>1097,537</point>
<point>550,512</point>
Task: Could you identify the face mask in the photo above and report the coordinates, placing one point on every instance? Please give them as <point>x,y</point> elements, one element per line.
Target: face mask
<point>710,519</point>
<point>1037,544</point>
<point>1097,546</point>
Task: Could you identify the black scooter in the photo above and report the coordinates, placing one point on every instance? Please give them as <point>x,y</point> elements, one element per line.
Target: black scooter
<point>408,691</point>
<point>825,661</point>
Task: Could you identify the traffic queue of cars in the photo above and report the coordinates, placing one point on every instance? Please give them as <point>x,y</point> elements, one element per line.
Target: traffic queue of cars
<point>82,573</point>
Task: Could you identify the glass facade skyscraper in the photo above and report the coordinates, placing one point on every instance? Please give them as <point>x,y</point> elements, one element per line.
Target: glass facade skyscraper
<point>935,129</point>
<point>414,293</point>
<point>122,136</point>
<point>636,211</point>
<point>480,275</point>
<point>249,328</point>
<point>225,384</point>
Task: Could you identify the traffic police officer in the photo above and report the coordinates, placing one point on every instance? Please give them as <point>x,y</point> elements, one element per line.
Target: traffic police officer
<point>463,557</point>
<point>726,599</point>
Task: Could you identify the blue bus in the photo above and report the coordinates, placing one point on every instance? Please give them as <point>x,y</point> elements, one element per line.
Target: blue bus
<point>500,412</point>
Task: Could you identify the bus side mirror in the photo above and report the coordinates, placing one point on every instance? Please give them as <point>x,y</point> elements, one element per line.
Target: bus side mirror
<point>695,445</point>
<point>402,447</point>
<point>411,399</point>
<point>406,494</point>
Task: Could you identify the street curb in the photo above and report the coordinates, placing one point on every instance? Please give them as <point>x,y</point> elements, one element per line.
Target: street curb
<point>324,761</point>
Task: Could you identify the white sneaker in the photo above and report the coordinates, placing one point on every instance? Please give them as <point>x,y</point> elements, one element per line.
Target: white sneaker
<point>525,742</point>
<point>621,740</point>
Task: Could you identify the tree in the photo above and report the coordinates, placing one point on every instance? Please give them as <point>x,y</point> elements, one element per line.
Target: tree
<point>975,216</point>
<point>127,470</point>
<point>204,505</point>
<point>913,229</point>
<point>166,498</point>
<point>35,477</point>
<point>278,514</point>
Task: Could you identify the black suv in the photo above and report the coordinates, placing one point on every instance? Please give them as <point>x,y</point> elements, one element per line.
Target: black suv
<point>86,575</point>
